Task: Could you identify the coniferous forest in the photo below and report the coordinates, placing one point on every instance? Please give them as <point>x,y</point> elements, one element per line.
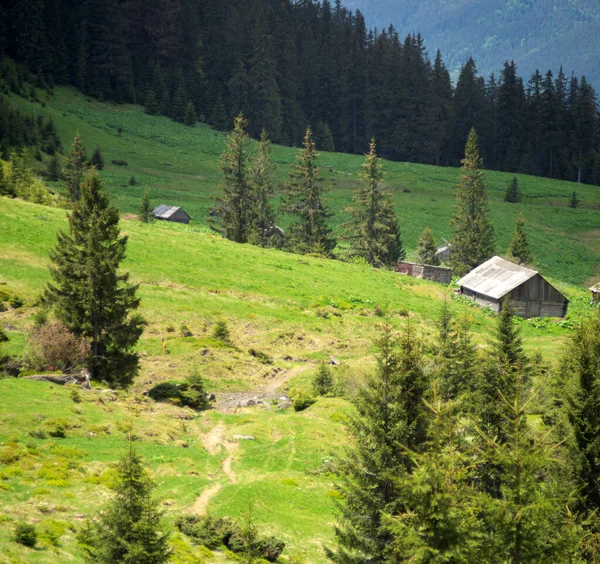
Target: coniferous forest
<point>288,65</point>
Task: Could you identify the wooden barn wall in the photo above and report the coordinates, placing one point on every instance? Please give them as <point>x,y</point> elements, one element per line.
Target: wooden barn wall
<point>483,301</point>
<point>536,289</point>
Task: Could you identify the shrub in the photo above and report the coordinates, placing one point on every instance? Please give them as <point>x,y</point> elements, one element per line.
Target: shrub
<point>204,530</point>
<point>3,336</point>
<point>303,402</point>
<point>15,302</point>
<point>133,181</point>
<point>40,318</point>
<point>57,348</point>
<point>185,331</point>
<point>221,331</point>
<point>26,535</point>
<point>261,356</point>
<point>190,393</point>
<point>51,531</point>
<point>165,391</point>
<point>323,380</point>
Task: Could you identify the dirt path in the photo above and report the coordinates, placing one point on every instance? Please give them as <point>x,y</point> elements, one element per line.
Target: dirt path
<point>213,442</point>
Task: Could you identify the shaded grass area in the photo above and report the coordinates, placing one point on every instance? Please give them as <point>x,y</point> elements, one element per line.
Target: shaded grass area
<point>179,166</point>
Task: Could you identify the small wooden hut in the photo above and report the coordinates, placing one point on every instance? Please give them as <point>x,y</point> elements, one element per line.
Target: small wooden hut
<point>170,213</point>
<point>530,294</point>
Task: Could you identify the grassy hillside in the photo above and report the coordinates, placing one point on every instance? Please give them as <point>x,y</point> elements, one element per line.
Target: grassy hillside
<point>179,166</point>
<point>297,310</point>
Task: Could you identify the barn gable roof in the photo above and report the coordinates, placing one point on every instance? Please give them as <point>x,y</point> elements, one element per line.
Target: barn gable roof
<point>165,212</point>
<point>496,277</point>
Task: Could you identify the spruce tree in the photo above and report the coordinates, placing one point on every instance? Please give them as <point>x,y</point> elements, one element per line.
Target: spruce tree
<point>583,408</point>
<point>233,207</point>
<point>473,233</point>
<point>97,159</point>
<point>145,209</point>
<point>95,300</point>
<point>323,380</point>
<point>261,216</point>
<point>152,103</point>
<point>309,233</point>
<point>441,521</point>
<point>373,231</point>
<point>190,115</point>
<point>574,201</point>
<point>513,194</point>
<point>390,418</point>
<point>427,249</point>
<point>75,169</point>
<point>130,529</point>
<point>518,250</point>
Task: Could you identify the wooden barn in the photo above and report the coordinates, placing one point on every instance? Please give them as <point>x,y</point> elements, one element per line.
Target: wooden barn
<point>170,213</point>
<point>425,271</point>
<point>530,294</point>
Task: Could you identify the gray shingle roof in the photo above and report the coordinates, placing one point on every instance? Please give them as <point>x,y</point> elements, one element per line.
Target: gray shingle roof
<point>164,211</point>
<point>496,277</point>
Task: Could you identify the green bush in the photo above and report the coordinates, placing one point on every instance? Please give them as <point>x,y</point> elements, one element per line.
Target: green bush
<point>190,393</point>
<point>15,302</point>
<point>261,356</point>
<point>203,530</point>
<point>303,402</point>
<point>3,336</point>
<point>221,331</point>
<point>26,535</point>
<point>185,331</point>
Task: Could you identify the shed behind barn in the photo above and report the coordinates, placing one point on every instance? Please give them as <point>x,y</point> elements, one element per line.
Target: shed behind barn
<point>530,294</point>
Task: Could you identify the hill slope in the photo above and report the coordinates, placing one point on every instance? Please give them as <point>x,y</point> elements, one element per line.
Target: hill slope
<point>537,35</point>
<point>179,166</point>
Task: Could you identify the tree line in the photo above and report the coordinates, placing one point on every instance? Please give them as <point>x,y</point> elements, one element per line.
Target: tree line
<point>289,64</point>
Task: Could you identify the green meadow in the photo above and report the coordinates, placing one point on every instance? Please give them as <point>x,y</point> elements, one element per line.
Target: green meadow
<point>298,310</point>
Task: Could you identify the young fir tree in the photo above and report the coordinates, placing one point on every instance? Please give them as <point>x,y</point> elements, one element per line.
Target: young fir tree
<point>309,233</point>
<point>130,528</point>
<point>190,115</point>
<point>583,409</point>
<point>574,201</point>
<point>233,207</point>
<point>145,209</point>
<point>427,249</point>
<point>75,169</point>
<point>97,159</point>
<point>473,233</point>
<point>373,231</point>
<point>441,520</point>
<point>390,418</point>
<point>513,194</point>
<point>261,216</point>
<point>323,380</point>
<point>95,300</point>
<point>518,250</point>
<point>456,363</point>
<point>529,516</point>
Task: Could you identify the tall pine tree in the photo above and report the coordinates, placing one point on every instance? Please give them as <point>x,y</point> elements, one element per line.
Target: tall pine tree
<point>88,292</point>
<point>309,233</point>
<point>75,169</point>
<point>373,231</point>
<point>518,250</point>
<point>472,231</point>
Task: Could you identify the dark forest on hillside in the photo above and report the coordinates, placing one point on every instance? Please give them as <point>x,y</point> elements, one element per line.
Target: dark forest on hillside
<point>288,64</point>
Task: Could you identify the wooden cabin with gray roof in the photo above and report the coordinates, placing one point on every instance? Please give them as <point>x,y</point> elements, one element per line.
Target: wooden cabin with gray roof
<point>531,295</point>
<point>170,213</point>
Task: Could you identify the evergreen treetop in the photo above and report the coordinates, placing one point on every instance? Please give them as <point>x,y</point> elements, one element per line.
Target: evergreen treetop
<point>75,169</point>
<point>145,209</point>
<point>426,252</point>
<point>373,231</point>
<point>472,231</point>
<point>233,207</point>
<point>309,232</point>
<point>130,529</point>
<point>518,250</point>
<point>513,194</point>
